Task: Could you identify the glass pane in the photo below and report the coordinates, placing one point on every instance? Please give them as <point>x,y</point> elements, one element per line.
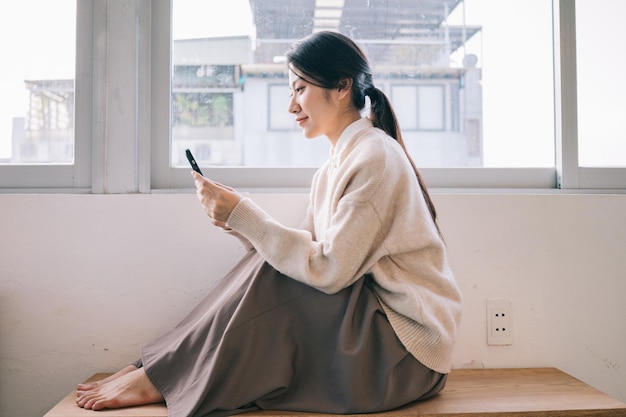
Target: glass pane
<point>453,70</point>
<point>600,40</point>
<point>38,43</point>
<point>407,113</point>
<point>431,107</point>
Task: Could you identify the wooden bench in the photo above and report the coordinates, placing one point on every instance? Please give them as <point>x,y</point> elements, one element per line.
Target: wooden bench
<point>469,392</point>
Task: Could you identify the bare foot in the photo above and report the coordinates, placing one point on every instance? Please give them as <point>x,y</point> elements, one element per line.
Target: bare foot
<point>128,389</point>
<point>91,385</point>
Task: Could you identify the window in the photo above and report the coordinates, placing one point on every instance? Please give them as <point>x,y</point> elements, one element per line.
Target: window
<point>601,84</point>
<point>420,107</point>
<point>579,130</point>
<point>278,99</point>
<point>428,56</point>
<point>485,101</point>
<point>202,112</point>
<point>37,123</point>
<point>465,93</point>
<point>37,113</point>
<point>407,113</point>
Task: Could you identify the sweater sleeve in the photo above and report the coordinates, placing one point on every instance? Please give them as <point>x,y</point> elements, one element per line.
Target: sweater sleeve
<point>329,265</point>
<point>245,242</point>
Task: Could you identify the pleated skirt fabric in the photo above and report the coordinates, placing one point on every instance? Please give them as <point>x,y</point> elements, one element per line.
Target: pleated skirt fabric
<point>261,340</point>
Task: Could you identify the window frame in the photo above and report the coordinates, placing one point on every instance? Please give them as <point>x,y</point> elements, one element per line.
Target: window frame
<point>74,177</point>
<point>262,179</point>
<point>565,175</point>
<point>107,161</point>
<point>570,175</point>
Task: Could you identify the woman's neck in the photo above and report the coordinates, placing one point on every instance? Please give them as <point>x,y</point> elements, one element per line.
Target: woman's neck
<point>344,122</point>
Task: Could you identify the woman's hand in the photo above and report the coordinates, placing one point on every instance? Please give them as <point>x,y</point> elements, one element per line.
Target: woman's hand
<point>217,200</point>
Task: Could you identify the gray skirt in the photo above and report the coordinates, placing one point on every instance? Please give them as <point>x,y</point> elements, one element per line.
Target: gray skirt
<point>261,340</point>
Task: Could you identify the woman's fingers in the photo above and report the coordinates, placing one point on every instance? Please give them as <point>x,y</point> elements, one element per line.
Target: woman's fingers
<point>217,200</point>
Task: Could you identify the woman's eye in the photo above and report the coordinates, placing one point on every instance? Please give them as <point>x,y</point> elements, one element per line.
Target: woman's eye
<point>296,90</point>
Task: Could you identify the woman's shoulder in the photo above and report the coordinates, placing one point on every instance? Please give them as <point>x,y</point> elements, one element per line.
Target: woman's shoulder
<point>374,146</point>
<point>375,165</point>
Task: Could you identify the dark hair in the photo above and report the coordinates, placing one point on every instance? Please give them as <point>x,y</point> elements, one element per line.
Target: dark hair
<point>326,59</point>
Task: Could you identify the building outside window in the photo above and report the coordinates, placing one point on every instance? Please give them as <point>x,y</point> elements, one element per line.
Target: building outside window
<point>409,43</point>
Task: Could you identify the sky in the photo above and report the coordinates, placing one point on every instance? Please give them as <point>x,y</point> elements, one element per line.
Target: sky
<point>513,49</point>
<point>37,40</point>
<point>602,86</point>
<point>201,20</point>
<point>517,114</point>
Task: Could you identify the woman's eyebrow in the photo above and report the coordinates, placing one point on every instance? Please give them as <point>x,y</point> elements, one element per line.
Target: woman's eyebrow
<point>293,83</point>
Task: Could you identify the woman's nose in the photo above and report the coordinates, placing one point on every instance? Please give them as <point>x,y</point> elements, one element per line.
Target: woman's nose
<point>293,107</point>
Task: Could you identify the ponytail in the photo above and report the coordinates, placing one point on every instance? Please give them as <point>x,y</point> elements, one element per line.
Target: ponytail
<point>383,117</point>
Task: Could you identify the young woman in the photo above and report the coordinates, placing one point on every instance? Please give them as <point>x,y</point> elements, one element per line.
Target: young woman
<point>355,312</point>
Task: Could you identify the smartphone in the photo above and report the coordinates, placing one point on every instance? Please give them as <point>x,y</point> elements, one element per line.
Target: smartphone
<point>192,161</point>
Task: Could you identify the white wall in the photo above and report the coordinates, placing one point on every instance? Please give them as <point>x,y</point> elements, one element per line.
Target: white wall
<point>85,280</point>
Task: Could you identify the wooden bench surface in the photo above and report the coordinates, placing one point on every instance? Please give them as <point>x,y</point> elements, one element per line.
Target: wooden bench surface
<point>469,392</point>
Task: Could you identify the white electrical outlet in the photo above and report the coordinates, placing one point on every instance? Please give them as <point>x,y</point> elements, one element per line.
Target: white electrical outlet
<point>499,323</point>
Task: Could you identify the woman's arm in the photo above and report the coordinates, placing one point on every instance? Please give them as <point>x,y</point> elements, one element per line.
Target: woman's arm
<point>335,262</point>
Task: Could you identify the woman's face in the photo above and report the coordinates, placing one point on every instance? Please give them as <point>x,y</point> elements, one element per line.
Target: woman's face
<point>315,108</point>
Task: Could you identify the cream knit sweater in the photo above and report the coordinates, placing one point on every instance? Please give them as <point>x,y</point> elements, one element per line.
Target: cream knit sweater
<point>367,215</point>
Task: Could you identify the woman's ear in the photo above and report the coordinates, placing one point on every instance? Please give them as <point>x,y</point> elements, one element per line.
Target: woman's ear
<point>344,84</point>
<point>344,88</point>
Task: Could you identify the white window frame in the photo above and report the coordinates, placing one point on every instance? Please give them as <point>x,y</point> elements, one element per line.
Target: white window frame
<point>77,176</point>
<point>122,118</point>
<point>569,174</point>
<point>165,177</point>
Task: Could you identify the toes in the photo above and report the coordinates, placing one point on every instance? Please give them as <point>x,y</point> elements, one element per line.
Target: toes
<point>89,404</point>
<point>98,405</point>
<point>81,392</point>
<point>86,399</point>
